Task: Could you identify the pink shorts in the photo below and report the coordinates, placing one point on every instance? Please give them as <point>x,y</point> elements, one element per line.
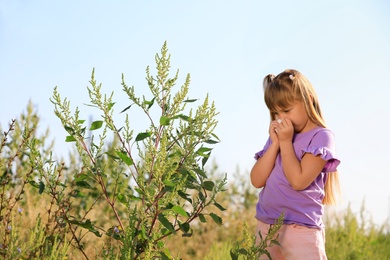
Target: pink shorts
<point>296,242</point>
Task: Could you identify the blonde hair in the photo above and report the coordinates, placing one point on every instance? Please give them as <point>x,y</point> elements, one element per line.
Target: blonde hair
<point>280,92</point>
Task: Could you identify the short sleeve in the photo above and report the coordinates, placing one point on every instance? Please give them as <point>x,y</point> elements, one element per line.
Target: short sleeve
<point>323,144</point>
<point>265,148</point>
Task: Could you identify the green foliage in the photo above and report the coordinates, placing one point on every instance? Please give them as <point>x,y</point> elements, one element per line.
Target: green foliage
<point>18,144</point>
<point>167,186</point>
<point>249,248</point>
<point>39,217</point>
<point>348,236</point>
<point>354,236</point>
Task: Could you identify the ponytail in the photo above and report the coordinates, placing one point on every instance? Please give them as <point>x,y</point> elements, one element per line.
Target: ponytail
<point>332,189</point>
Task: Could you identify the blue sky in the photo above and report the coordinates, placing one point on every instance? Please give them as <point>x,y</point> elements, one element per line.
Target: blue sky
<point>343,47</point>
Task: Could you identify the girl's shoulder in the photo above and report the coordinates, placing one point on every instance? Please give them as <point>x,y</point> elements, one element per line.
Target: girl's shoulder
<point>322,131</point>
<point>322,137</point>
<point>316,135</point>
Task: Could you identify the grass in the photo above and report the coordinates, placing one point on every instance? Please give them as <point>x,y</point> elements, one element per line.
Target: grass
<point>355,236</point>
<point>349,236</point>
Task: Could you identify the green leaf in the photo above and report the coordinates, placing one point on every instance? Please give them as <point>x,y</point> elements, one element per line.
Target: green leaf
<point>202,218</point>
<point>167,189</point>
<point>185,118</point>
<point>34,184</point>
<point>132,197</point>
<point>210,141</point>
<point>142,136</point>
<point>189,175</point>
<point>184,196</point>
<point>233,255</point>
<point>275,242</point>
<point>208,185</point>
<point>200,172</point>
<point>126,108</point>
<point>70,138</point>
<point>87,225</point>
<point>111,105</point>
<point>217,219</point>
<point>182,170</point>
<point>190,100</point>
<point>112,156</point>
<point>203,151</point>
<point>201,196</point>
<point>69,129</point>
<point>90,105</point>
<point>160,244</point>
<point>149,103</point>
<point>41,187</point>
<point>169,183</point>
<point>205,159</point>
<point>96,125</point>
<point>216,137</point>
<point>125,158</point>
<point>80,177</point>
<point>122,198</point>
<point>84,184</point>
<point>165,222</point>
<point>219,206</point>
<point>164,256</point>
<point>179,210</point>
<point>243,251</point>
<point>164,120</point>
<point>185,227</point>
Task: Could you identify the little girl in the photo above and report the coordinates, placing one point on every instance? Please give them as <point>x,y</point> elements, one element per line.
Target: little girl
<point>296,168</point>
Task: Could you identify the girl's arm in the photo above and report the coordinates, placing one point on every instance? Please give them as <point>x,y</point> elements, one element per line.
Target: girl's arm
<point>300,174</point>
<point>264,165</point>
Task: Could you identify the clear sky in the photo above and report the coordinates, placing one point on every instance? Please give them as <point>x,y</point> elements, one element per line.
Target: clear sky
<point>343,47</point>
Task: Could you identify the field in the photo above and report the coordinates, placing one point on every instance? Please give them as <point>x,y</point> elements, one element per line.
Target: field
<point>140,195</point>
<point>349,235</point>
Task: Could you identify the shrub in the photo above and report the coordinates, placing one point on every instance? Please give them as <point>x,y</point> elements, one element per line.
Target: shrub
<point>156,176</point>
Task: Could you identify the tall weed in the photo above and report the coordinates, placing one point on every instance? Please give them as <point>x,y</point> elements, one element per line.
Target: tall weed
<point>354,236</point>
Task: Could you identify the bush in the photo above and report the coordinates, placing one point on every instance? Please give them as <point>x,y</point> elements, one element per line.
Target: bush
<point>131,192</point>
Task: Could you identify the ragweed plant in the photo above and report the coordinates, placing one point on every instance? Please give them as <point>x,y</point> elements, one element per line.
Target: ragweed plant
<point>154,181</point>
<point>250,249</point>
<point>18,170</point>
<point>12,184</point>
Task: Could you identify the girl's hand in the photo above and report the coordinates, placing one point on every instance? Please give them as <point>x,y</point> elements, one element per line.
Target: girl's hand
<point>272,131</point>
<point>284,129</point>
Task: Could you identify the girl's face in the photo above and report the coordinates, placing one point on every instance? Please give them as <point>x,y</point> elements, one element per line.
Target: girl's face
<point>298,116</point>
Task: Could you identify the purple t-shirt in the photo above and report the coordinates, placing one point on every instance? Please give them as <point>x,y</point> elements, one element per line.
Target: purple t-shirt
<point>302,207</point>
